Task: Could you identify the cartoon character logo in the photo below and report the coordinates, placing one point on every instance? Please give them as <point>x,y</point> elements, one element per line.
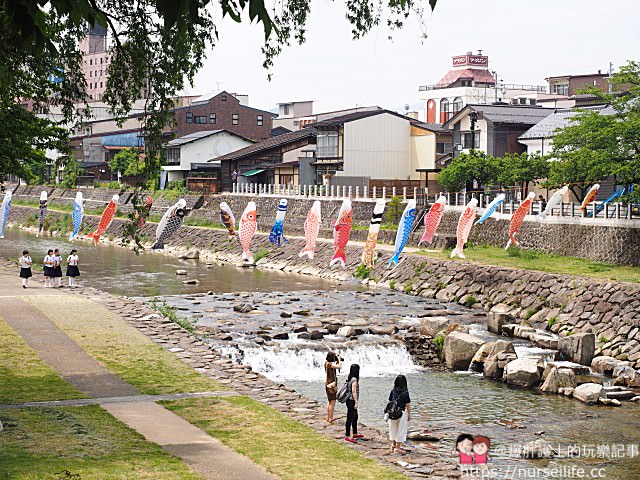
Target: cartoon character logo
<point>464,446</point>
<point>472,450</point>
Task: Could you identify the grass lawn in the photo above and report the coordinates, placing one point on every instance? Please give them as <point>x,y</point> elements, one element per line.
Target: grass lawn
<point>120,347</point>
<point>23,375</point>
<point>283,446</point>
<point>545,262</point>
<point>43,443</point>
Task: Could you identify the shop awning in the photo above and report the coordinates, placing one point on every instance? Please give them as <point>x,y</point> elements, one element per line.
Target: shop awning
<point>252,172</point>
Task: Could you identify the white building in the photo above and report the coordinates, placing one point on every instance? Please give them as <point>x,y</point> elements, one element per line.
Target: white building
<point>199,148</point>
<point>470,81</point>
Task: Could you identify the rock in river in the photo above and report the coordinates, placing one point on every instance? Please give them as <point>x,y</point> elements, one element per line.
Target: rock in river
<point>459,349</point>
<point>523,372</point>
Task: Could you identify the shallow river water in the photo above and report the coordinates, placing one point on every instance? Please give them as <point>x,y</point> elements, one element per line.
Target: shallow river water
<point>603,442</point>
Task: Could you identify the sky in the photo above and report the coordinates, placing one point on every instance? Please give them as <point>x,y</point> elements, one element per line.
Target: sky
<point>526,41</point>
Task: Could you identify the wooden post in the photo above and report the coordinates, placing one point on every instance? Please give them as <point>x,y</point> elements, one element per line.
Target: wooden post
<point>415,193</point>
<point>375,193</point>
<point>384,193</point>
<point>357,191</point>
<point>404,194</point>
<point>365,192</point>
<point>393,191</point>
<point>349,191</point>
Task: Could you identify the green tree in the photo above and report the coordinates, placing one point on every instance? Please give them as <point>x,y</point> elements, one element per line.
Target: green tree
<point>127,162</point>
<point>514,169</point>
<point>475,165</point>
<point>393,212</point>
<point>158,46</point>
<point>600,144</point>
<point>70,173</point>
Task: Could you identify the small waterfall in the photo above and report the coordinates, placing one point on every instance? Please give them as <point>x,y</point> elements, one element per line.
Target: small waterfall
<point>307,364</point>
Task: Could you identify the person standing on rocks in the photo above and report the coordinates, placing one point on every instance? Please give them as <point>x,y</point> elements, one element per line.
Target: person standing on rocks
<point>352,404</point>
<point>398,428</point>
<point>57,269</point>
<point>72,268</point>
<point>48,264</point>
<point>25,267</point>
<point>331,366</point>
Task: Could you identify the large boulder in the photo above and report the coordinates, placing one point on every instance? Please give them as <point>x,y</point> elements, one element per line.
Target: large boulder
<point>502,352</point>
<point>496,320</point>
<point>558,378</point>
<point>477,362</point>
<point>588,392</point>
<point>579,348</point>
<point>459,349</point>
<point>346,332</point>
<point>432,325</point>
<point>605,365</point>
<point>626,376</point>
<point>523,372</point>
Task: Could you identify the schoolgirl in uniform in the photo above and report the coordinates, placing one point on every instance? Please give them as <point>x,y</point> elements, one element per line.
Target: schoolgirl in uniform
<point>72,268</point>
<point>25,267</point>
<point>49,263</point>
<point>57,269</point>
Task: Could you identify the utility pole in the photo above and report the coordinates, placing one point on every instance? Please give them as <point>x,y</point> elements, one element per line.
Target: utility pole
<point>473,116</point>
<point>610,75</point>
<point>495,85</point>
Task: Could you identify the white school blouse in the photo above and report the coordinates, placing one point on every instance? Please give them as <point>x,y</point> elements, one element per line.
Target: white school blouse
<point>25,262</point>
<point>49,260</point>
<point>72,260</point>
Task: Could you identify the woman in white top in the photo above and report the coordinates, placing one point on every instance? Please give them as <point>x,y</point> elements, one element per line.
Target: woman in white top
<point>57,268</point>
<point>25,267</point>
<point>49,263</point>
<point>72,268</point>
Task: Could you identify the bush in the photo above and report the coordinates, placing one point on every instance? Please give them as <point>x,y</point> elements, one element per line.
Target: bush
<point>168,311</point>
<point>438,342</point>
<point>470,301</point>
<point>260,254</point>
<point>362,272</point>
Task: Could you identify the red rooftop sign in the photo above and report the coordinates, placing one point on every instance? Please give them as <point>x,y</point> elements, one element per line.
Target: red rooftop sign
<point>471,60</point>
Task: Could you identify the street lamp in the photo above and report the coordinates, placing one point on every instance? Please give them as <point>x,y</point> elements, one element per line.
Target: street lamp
<point>473,116</point>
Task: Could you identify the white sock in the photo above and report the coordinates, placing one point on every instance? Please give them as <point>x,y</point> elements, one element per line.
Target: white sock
<point>24,282</point>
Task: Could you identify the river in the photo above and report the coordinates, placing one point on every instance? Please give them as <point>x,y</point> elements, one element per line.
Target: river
<point>605,439</point>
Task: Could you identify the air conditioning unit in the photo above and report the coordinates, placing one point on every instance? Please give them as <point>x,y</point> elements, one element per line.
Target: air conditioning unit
<point>459,147</point>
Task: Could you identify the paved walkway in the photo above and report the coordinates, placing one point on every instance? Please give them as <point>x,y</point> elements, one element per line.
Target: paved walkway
<point>200,451</point>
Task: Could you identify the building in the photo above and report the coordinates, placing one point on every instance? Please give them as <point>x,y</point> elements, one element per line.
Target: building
<point>496,129</point>
<point>223,111</point>
<point>291,113</point>
<point>191,152</point>
<point>272,160</point>
<point>470,81</point>
<point>95,61</point>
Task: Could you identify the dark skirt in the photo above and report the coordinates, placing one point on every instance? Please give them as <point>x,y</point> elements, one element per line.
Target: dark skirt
<point>331,394</point>
<point>73,271</point>
<point>25,272</point>
<point>48,271</point>
<point>57,271</point>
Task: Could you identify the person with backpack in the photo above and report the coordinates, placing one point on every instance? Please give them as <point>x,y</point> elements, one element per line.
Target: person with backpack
<point>331,367</point>
<point>399,411</point>
<point>353,396</point>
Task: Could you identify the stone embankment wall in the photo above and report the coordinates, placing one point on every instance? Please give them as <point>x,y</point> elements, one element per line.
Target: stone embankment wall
<point>615,242</point>
<point>562,303</point>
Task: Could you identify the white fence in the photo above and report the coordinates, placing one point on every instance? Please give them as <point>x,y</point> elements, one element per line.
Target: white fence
<point>603,210</point>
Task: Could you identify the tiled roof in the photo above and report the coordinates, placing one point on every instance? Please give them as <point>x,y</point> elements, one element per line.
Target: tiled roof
<point>513,114</point>
<point>474,74</point>
<point>349,117</point>
<point>269,143</point>
<point>433,127</point>
<point>192,137</point>
<point>546,127</point>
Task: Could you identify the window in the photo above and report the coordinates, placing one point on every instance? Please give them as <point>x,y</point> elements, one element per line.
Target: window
<point>91,61</point>
<point>443,148</point>
<point>91,73</point>
<point>466,140</point>
<point>457,105</point>
<point>100,72</point>
<point>444,110</point>
<point>200,119</point>
<point>100,84</point>
<point>327,144</point>
<point>285,109</point>
<point>259,120</point>
<point>90,85</point>
<point>100,60</point>
<point>189,117</point>
<point>173,156</point>
<point>212,118</point>
<point>95,73</point>
<point>560,89</point>
<point>235,119</point>
<point>224,98</point>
